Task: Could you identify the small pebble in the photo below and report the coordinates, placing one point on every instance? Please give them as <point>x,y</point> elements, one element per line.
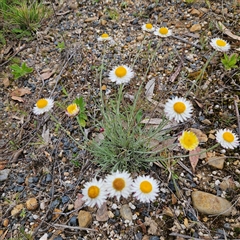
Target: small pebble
<point>32,204</point>
<point>84,218</point>
<point>154,238</point>
<point>65,199</point>
<point>73,221</point>
<point>126,212</point>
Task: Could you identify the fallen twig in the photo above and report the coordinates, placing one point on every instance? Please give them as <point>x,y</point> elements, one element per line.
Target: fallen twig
<point>183,236</point>
<point>21,48</point>
<point>236,100</point>
<point>186,41</point>
<point>15,156</point>
<point>179,67</point>
<point>75,228</point>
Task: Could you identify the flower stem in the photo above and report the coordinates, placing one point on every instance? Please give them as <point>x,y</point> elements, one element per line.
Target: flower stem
<point>67,132</point>
<point>200,76</point>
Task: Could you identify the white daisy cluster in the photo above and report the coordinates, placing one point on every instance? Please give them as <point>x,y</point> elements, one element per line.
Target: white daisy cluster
<point>180,109</point>
<point>120,184</point>
<point>161,31</point>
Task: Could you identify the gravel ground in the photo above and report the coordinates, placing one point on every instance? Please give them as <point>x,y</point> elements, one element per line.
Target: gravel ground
<point>40,183</point>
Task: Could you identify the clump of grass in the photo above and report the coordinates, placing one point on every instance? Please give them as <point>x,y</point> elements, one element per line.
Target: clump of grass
<point>127,144</point>
<point>23,17</point>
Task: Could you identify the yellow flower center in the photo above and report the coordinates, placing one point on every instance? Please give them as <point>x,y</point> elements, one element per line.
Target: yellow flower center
<point>163,30</point>
<point>105,35</point>
<point>118,184</point>
<point>189,141</point>
<point>149,26</point>
<point>179,107</point>
<point>121,71</point>
<point>146,187</point>
<point>228,137</point>
<point>221,43</point>
<point>72,108</point>
<point>93,191</point>
<point>42,103</point>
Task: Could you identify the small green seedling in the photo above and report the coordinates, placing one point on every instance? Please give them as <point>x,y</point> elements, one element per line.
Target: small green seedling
<point>82,116</point>
<point>61,46</point>
<point>20,71</point>
<point>230,62</point>
<point>23,213</point>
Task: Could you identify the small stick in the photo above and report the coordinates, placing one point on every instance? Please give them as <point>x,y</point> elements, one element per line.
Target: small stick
<point>186,41</point>
<point>236,100</point>
<point>183,236</point>
<point>75,228</point>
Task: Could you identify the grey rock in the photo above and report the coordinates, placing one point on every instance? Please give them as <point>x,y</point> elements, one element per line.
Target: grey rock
<point>126,212</point>
<point>65,199</point>
<point>154,238</point>
<point>4,174</point>
<point>73,221</point>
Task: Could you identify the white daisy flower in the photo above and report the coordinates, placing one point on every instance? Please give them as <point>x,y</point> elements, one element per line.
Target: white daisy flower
<point>145,188</point>
<point>72,110</point>
<point>220,44</point>
<point>178,109</point>
<point>227,138</point>
<point>148,27</point>
<point>118,184</point>
<point>94,193</point>
<point>43,105</point>
<point>163,32</point>
<point>104,37</point>
<point>121,74</point>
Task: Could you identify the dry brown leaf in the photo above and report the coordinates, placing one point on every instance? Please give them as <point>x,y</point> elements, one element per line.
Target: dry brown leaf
<point>79,202</point>
<point>6,82</point>
<point>102,213</point>
<point>168,212</point>
<point>47,75</point>
<point>225,30</point>
<point>195,75</point>
<point>202,137</point>
<point>194,157</point>
<point>19,99</point>
<point>19,92</point>
<point>3,164</point>
<point>199,104</point>
<point>150,88</point>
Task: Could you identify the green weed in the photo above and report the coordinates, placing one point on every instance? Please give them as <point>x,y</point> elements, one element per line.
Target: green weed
<point>82,116</point>
<point>230,62</point>
<point>112,13</point>
<point>20,71</point>
<point>61,46</point>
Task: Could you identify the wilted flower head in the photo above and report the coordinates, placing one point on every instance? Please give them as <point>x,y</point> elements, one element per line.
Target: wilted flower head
<point>72,110</point>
